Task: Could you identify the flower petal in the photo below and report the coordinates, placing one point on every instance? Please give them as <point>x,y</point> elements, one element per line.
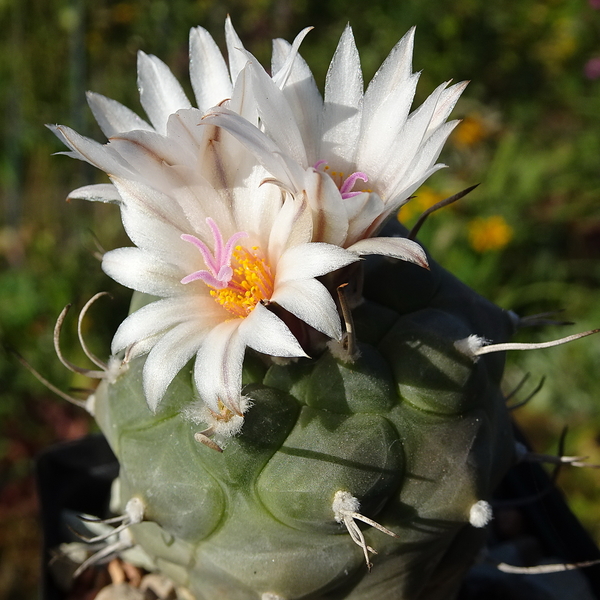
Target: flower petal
<point>386,104</point>
<point>330,219</point>
<point>292,226</point>
<point>164,314</point>
<point>268,153</point>
<point>284,70</point>
<point>382,128</point>
<point>394,247</point>
<point>113,117</point>
<point>312,303</point>
<point>218,368</point>
<point>141,271</point>
<point>151,225</point>
<point>168,356</point>
<point>306,261</point>
<point>303,97</point>
<point>100,192</point>
<point>102,157</point>
<point>160,92</point>
<point>145,150</point>
<point>362,210</point>
<point>393,73</point>
<point>267,333</point>
<point>276,116</point>
<point>408,143</point>
<point>237,59</point>
<point>343,104</point>
<point>208,72</point>
<point>446,103</point>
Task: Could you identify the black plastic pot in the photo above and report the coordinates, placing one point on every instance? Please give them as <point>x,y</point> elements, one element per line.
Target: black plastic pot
<point>76,476</point>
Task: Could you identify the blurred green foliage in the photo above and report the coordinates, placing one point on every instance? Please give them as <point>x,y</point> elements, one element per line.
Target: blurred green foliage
<point>531,137</point>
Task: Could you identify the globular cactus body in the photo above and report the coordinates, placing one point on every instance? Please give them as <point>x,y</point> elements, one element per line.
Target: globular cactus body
<point>414,430</point>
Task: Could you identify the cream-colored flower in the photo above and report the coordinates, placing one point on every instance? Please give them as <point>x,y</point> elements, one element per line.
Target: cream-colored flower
<point>356,156</point>
<point>217,259</point>
<point>233,263</point>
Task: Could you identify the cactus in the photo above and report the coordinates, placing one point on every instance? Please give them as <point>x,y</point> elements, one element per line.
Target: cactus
<point>339,434</point>
<point>413,430</point>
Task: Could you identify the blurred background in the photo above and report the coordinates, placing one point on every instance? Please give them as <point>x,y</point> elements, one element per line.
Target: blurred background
<point>527,238</point>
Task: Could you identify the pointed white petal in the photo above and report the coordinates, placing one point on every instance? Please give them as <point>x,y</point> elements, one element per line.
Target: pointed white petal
<point>100,192</point>
<point>446,103</point>
<point>218,368</point>
<point>255,207</point>
<point>395,70</point>
<point>163,314</point>
<point>267,333</point>
<point>160,92</point>
<point>311,302</point>
<point>401,248</point>
<point>183,128</point>
<point>280,77</point>
<point>280,51</point>
<point>277,118</point>
<point>113,117</point>
<point>283,168</point>
<point>404,189</point>
<point>408,143</point>
<point>383,126</point>
<point>400,198</point>
<point>311,260</point>
<point>430,151</point>
<point>330,219</point>
<point>154,222</point>
<point>362,210</point>
<point>144,150</point>
<point>237,59</point>
<point>343,104</point>
<point>292,226</point>
<point>386,104</point>
<point>208,72</point>
<point>141,271</point>
<point>90,151</point>
<point>304,99</point>
<point>168,356</point>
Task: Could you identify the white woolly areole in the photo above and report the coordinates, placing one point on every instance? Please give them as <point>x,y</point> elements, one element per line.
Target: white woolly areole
<point>480,514</point>
<point>116,368</point>
<point>344,502</point>
<point>340,352</point>
<point>134,509</point>
<point>469,346</point>
<point>271,596</point>
<point>220,429</point>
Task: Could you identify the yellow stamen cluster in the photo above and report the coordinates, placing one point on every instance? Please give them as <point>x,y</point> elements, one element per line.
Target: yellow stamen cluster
<point>252,282</point>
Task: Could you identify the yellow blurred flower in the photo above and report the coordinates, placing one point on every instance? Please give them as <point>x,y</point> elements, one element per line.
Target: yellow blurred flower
<point>491,233</point>
<point>424,199</point>
<point>471,131</point>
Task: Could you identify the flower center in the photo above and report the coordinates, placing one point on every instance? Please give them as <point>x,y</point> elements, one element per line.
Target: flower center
<point>239,278</point>
<point>250,283</point>
<point>345,184</point>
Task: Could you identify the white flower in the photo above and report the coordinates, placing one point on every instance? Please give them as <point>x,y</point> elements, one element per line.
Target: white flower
<point>234,263</point>
<point>358,157</point>
<point>216,258</point>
